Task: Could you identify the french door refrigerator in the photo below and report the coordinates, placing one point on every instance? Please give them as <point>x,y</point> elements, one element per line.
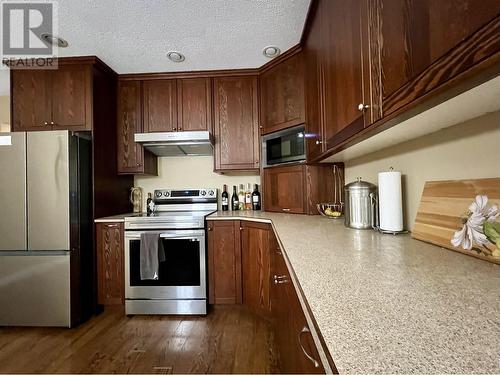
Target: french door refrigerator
<point>46,263</point>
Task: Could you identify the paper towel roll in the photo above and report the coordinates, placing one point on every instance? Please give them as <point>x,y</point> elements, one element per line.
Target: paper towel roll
<point>390,201</point>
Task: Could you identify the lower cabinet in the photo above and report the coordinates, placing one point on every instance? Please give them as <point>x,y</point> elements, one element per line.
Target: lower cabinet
<point>298,188</point>
<point>110,263</point>
<point>246,266</point>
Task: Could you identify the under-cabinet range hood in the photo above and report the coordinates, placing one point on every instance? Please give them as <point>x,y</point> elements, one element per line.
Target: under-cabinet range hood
<point>189,143</point>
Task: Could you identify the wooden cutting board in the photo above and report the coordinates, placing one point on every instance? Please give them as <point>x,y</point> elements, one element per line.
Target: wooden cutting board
<point>443,204</point>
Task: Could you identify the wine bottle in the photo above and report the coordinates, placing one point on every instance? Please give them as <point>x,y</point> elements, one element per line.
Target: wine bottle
<point>225,199</point>
<point>235,203</point>
<point>256,198</point>
<point>150,205</point>
<point>241,198</point>
<point>248,197</point>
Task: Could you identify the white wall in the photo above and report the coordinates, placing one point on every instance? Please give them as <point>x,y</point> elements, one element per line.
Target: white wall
<point>4,100</point>
<point>190,172</point>
<point>467,150</point>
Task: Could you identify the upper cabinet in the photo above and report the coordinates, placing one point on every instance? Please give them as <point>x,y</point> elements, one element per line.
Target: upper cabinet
<point>282,95</point>
<point>421,44</point>
<point>52,99</point>
<point>132,158</point>
<point>368,63</point>
<point>160,105</point>
<point>194,104</point>
<point>236,123</point>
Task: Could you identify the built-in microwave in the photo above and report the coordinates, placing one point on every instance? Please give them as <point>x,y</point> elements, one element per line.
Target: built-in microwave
<point>285,146</point>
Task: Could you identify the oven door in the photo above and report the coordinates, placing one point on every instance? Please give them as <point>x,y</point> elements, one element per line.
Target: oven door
<point>181,276</point>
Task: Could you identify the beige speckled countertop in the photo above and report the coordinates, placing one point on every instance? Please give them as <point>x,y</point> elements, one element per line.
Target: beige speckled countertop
<point>391,304</point>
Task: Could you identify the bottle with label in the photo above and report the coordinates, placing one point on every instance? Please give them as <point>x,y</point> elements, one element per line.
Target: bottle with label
<point>225,199</point>
<point>248,197</point>
<point>241,198</point>
<point>235,203</point>
<point>256,198</point>
<point>150,205</point>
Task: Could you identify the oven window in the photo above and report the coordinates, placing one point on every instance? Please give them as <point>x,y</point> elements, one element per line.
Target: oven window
<point>288,147</point>
<point>181,266</point>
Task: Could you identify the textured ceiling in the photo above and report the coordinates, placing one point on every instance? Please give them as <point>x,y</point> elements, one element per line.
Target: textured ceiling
<point>133,36</point>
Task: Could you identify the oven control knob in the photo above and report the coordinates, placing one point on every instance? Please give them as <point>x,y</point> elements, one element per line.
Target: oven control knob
<point>167,194</point>
<point>158,194</point>
<point>211,192</point>
<point>203,193</point>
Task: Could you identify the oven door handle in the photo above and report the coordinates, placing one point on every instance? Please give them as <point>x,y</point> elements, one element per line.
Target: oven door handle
<point>194,235</point>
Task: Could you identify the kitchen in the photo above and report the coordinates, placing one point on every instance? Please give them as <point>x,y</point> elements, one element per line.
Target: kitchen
<point>117,252</point>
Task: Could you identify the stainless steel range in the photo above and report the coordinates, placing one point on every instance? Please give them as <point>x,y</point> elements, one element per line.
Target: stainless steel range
<point>181,287</point>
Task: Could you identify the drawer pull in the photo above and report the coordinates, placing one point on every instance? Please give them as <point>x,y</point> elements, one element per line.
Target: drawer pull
<point>309,357</point>
<point>286,209</point>
<point>112,225</point>
<point>280,279</point>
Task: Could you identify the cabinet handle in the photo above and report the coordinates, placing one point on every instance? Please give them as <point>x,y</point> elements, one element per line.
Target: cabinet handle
<point>280,279</point>
<point>52,123</point>
<point>319,142</point>
<point>45,123</point>
<point>309,357</point>
<point>286,209</point>
<point>261,127</point>
<point>112,226</point>
<point>174,129</point>
<point>241,228</point>
<point>209,228</point>
<point>362,106</point>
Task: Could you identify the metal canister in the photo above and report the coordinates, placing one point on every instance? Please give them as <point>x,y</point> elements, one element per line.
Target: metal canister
<point>360,205</point>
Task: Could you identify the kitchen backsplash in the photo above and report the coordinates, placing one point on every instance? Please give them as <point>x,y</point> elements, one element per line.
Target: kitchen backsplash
<point>190,172</point>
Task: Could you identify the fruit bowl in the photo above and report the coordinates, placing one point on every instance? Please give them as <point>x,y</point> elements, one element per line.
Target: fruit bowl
<point>331,210</point>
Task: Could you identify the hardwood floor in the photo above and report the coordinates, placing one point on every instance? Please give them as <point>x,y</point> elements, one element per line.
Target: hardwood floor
<point>230,339</point>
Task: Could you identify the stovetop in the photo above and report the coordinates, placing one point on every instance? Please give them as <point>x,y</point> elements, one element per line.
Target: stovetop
<point>168,220</point>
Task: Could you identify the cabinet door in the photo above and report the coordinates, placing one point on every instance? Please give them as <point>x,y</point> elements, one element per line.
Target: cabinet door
<point>31,100</point>
<point>256,266</point>
<point>71,97</point>
<point>160,105</point>
<point>194,104</point>
<point>282,95</point>
<point>236,123</point>
<point>130,154</point>
<point>224,260</point>
<point>314,82</point>
<point>343,73</point>
<point>110,263</point>
<point>284,189</point>
<point>418,34</point>
<point>293,337</point>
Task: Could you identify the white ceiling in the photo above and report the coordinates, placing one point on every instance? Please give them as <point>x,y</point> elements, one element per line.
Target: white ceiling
<point>133,36</point>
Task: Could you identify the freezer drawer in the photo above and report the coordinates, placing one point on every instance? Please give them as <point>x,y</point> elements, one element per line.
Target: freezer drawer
<point>13,191</point>
<point>35,290</point>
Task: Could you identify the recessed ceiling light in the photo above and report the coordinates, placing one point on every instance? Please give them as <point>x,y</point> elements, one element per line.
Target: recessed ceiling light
<point>54,40</point>
<point>271,51</point>
<point>175,56</point>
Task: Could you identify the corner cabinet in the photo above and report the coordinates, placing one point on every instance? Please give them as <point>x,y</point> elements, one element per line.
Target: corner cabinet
<point>281,90</point>
<point>236,126</point>
<point>247,266</point>
<point>132,158</point>
<point>110,263</point>
<point>52,99</point>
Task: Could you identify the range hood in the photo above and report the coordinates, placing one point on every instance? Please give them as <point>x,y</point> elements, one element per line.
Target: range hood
<point>190,143</point>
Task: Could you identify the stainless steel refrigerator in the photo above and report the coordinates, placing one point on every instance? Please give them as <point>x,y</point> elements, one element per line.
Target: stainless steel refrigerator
<point>45,228</point>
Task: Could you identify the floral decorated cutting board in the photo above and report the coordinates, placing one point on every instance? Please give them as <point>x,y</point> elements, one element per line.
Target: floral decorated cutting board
<point>462,215</point>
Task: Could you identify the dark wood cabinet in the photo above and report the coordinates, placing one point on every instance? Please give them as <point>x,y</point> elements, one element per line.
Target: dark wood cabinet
<point>422,44</point>
<point>132,158</point>
<point>255,260</point>
<point>297,351</point>
<point>298,188</point>
<point>110,263</point>
<point>71,102</point>
<point>194,104</point>
<point>160,105</point>
<point>52,99</point>
<point>236,123</point>
<point>282,103</point>
<point>224,262</point>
